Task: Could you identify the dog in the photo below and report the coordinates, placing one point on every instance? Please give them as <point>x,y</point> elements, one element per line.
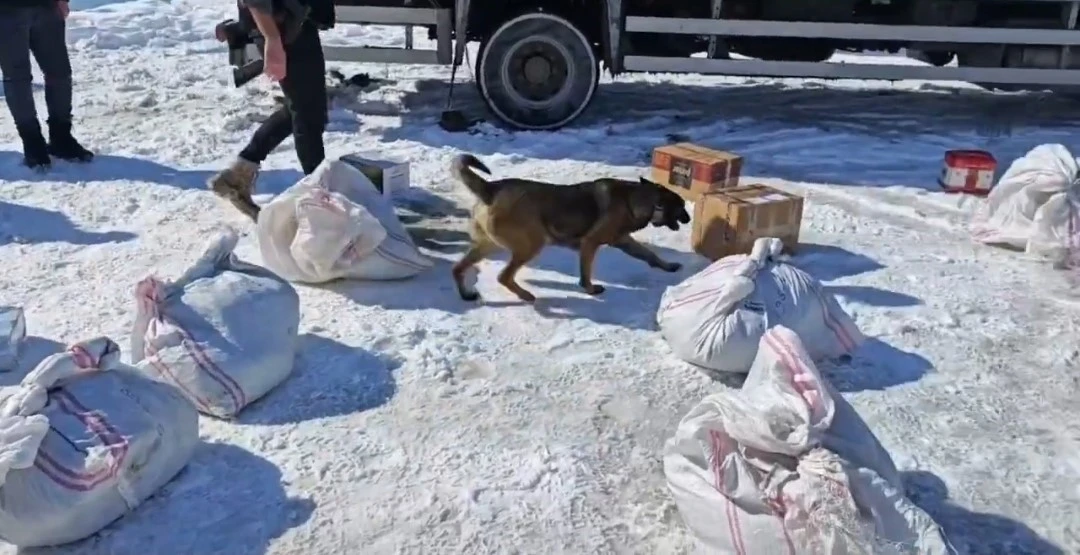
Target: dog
<point>524,216</point>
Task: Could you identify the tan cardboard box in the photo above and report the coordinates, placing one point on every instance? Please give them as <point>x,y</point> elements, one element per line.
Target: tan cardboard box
<point>693,170</point>
<point>729,221</point>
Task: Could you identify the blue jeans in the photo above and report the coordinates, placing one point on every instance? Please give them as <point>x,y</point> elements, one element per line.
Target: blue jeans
<point>39,30</point>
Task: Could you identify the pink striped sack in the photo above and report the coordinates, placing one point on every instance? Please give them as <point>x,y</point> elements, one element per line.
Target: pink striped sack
<point>85,439</point>
<point>716,318</point>
<point>334,224</point>
<point>785,466</point>
<point>224,333</point>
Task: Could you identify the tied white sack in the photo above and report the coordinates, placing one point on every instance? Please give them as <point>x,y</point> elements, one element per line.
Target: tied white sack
<point>1035,206</point>
<point>334,224</point>
<point>84,439</point>
<point>716,318</point>
<point>224,333</point>
<point>785,466</point>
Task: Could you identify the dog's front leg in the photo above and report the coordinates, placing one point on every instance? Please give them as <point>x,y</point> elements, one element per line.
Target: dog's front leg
<point>641,252</point>
<point>587,254</point>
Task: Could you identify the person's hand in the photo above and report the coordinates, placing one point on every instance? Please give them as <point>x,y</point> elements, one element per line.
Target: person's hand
<point>63,8</point>
<point>274,60</point>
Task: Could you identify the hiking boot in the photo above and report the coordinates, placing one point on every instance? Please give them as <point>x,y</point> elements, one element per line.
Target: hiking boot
<point>63,146</point>
<point>35,150</point>
<point>236,184</point>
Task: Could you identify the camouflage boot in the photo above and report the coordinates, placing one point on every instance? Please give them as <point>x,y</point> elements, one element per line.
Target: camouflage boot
<point>236,184</point>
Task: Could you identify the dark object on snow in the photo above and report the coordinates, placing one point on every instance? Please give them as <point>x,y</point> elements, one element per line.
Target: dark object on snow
<point>361,80</point>
<point>454,121</point>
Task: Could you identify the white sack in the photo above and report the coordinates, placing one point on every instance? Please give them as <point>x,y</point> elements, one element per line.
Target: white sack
<point>83,440</point>
<point>224,333</point>
<point>715,318</point>
<point>785,466</point>
<point>1035,205</point>
<point>334,224</point>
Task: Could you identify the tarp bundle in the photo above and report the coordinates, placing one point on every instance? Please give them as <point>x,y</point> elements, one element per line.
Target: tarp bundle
<point>1035,206</point>
<point>334,224</point>
<point>83,440</point>
<point>224,333</point>
<point>716,318</point>
<point>785,466</point>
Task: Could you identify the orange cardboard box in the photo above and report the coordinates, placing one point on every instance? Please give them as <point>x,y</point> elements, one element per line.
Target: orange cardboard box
<point>692,170</point>
<point>728,222</point>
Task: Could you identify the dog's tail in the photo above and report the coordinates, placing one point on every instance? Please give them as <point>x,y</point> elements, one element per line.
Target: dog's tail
<point>462,169</point>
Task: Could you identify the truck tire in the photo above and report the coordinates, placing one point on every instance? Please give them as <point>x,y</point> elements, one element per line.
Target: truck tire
<point>537,71</point>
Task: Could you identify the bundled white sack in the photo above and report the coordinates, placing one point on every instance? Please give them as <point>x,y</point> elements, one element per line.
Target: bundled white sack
<point>785,466</point>
<point>716,317</point>
<point>224,333</point>
<point>1035,205</point>
<point>334,224</point>
<point>83,440</point>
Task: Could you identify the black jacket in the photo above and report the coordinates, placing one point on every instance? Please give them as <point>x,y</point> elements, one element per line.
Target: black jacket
<point>14,4</point>
<point>322,11</point>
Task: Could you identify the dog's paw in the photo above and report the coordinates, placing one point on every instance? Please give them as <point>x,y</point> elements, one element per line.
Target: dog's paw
<point>671,267</point>
<point>593,289</point>
<point>469,296</point>
<point>527,297</point>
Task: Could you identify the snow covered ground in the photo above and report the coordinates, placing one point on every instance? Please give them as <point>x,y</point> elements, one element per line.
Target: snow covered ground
<point>417,423</point>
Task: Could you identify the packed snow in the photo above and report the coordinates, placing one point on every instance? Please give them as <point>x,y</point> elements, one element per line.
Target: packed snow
<point>415,422</point>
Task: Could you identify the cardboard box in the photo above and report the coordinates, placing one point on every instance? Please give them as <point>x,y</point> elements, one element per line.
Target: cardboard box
<point>692,170</point>
<point>390,176</point>
<point>729,221</point>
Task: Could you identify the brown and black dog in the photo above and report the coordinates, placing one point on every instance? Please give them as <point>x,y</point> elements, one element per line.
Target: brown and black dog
<point>524,216</point>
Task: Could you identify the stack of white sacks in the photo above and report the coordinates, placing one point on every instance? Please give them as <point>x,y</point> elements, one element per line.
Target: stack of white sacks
<point>783,465</point>
<point>214,340</point>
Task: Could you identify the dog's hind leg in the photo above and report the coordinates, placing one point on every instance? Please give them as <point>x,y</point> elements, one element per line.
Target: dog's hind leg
<point>518,259</point>
<point>477,252</point>
<point>631,247</point>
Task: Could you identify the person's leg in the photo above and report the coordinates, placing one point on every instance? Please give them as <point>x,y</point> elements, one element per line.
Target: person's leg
<point>236,183</point>
<point>305,92</point>
<point>49,44</point>
<point>271,133</point>
<point>15,26</point>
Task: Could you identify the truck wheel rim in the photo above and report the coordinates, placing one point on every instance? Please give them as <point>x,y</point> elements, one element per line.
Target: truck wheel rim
<point>538,72</point>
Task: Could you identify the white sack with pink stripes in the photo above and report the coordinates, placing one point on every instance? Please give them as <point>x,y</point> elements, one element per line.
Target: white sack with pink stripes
<point>334,224</point>
<point>224,333</point>
<point>1035,206</point>
<point>84,439</point>
<point>716,317</point>
<point>785,466</point>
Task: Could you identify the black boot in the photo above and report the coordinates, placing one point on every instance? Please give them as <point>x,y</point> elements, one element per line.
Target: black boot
<point>35,151</point>
<point>63,146</point>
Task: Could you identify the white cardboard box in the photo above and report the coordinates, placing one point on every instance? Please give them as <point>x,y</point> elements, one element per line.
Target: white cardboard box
<point>393,173</point>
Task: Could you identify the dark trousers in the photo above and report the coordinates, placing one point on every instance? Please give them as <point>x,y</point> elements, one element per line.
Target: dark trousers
<point>39,30</point>
<point>304,114</point>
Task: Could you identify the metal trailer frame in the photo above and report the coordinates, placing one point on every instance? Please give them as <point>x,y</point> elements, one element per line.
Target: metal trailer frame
<point>450,50</point>
<point>451,32</point>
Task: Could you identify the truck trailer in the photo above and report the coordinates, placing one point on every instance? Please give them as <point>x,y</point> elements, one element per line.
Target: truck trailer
<point>539,61</point>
